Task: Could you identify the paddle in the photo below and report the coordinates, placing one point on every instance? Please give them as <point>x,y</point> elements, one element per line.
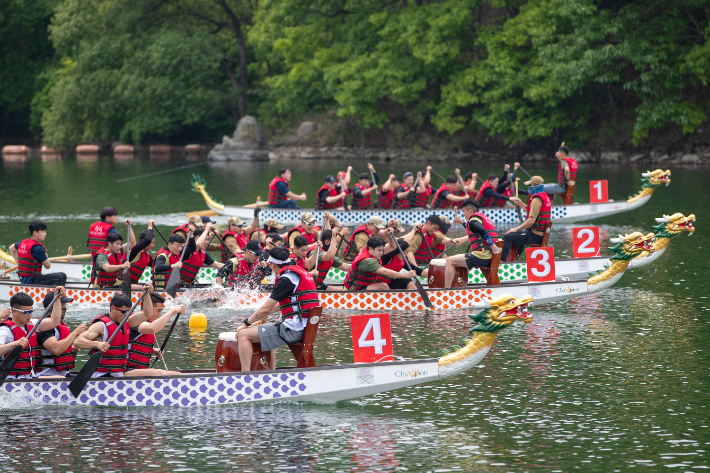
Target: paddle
<point>526,173</point>
<point>174,280</point>
<point>320,238</point>
<point>421,290</point>
<point>372,176</point>
<point>445,250</point>
<point>431,253</point>
<point>463,186</point>
<point>161,235</point>
<point>165,342</point>
<point>520,212</point>
<point>258,204</point>
<point>413,194</point>
<point>79,382</point>
<point>438,175</point>
<point>343,189</point>
<point>126,283</point>
<point>258,229</point>
<point>14,354</point>
<point>59,259</point>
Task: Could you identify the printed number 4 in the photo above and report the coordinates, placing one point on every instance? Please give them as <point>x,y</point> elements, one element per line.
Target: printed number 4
<point>584,247</point>
<point>377,341</point>
<point>545,266</point>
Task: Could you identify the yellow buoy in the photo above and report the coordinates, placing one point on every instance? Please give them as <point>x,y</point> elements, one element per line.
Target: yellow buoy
<point>198,320</point>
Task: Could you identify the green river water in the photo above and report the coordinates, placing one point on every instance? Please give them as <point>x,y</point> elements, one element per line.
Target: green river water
<point>608,382</point>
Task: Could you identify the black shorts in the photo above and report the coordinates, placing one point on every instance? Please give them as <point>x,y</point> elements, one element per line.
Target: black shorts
<point>399,284</point>
<point>475,262</point>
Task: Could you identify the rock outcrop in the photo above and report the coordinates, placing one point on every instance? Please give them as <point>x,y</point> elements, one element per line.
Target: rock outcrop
<point>247,144</point>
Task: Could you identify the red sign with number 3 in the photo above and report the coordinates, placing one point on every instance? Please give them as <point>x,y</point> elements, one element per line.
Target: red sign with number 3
<point>598,192</point>
<point>372,338</point>
<point>540,263</point>
<point>585,241</point>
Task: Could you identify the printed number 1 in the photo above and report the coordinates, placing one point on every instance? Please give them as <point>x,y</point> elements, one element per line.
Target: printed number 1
<point>585,232</point>
<point>544,257</point>
<point>598,187</point>
<point>377,341</point>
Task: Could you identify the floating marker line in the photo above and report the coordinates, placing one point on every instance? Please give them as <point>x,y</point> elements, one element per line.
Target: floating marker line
<point>162,172</point>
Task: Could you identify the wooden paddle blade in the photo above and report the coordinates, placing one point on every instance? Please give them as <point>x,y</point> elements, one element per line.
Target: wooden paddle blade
<point>202,213</point>
<point>76,386</point>
<point>422,292</point>
<point>9,363</point>
<point>126,285</point>
<point>173,282</point>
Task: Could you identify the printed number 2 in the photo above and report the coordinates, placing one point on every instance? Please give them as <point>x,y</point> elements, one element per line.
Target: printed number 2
<point>585,232</point>
<point>542,262</point>
<point>598,187</point>
<point>377,341</point>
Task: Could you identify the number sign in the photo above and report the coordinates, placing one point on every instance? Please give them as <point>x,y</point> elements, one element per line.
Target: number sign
<point>540,263</point>
<point>372,338</point>
<point>586,242</point>
<point>598,192</point>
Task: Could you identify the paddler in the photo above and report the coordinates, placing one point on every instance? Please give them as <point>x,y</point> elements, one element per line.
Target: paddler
<point>108,265</point>
<point>539,209</point>
<point>481,236</point>
<point>140,257</point>
<point>299,250</point>
<point>443,229</point>
<point>394,261</point>
<point>365,190</point>
<point>141,346</point>
<point>193,223</point>
<point>422,189</point>
<point>305,229</point>
<point>271,225</point>
<point>566,172</point>
<point>446,197</point>
<point>327,258</point>
<point>15,326</point>
<point>506,185</point>
<point>235,236</point>
<point>388,192</point>
<point>99,231</point>
<point>422,240</point>
<point>330,195</point>
<point>31,256</point>
<point>489,196</point>
<point>280,195</point>
<point>294,293</point>
<point>367,267</point>
<point>241,268</point>
<point>405,191</point>
<point>57,354</point>
<point>191,265</point>
<point>168,259</point>
<point>115,359</point>
<point>470,182</point>
<point>359,238</point>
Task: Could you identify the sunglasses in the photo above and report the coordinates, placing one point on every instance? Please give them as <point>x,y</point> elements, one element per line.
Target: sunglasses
<point>26,312</point>
<point>122,311</point>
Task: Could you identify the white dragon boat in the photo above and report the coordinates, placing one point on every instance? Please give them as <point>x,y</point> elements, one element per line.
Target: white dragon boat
<point>626,249</point>
<point>319,384</point>
<point>560,213</point>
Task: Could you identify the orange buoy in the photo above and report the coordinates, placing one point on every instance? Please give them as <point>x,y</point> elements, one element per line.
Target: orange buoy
<point>47,150</point>
<point>160,149</point>
<point>87,149</point>
<point>193,148</point>
<point>12,149</point>
<point>124,149</point>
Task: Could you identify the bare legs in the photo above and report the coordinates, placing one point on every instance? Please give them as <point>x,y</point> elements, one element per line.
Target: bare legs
<point>451,263</point>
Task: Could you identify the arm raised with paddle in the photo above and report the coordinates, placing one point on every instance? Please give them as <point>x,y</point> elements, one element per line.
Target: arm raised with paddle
<point>172,286</point>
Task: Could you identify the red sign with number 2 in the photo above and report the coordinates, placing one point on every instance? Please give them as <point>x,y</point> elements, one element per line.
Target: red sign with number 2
<point>585,241</point>
<point>540,263</point>
<point>598,191</point>
<point>372,338</point>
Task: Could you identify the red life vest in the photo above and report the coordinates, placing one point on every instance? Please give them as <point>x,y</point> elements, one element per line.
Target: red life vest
<point>421,200</point>
<point>161,279</point>
<point>300,262</point>
<point>355,280</point>
<point>311,237</point>
<point>65,361</point>
<point>274,195</point>
<point>181,228</point>
<point>27,361</point>
<point>489,201</point>
<point>387,199</point>
<point>114,359</point>
<point>325,204</point>
<point>26,264</point>
<point>190,268</point>
<point>322,268</point>
<point>545,212</point>
<point>425,252</point>
<point>365,201</point>
<point>138,266</point>
<point>98,236</point>
<point>103,278</point>
<point>402,203</point>
<point>352,249</point>
<point>303,299</point>
<point>395,265</point>
<point>440,202</point>
<point>140,350</point>
<point>572,171</point>
<point>478,242</point>
<point>225,252</point>
<point>240,267</point>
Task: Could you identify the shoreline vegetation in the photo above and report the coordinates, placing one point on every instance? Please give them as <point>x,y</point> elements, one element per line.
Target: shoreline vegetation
<point>405,80</point>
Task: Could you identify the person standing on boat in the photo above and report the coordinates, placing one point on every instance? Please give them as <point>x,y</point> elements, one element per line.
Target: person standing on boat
<point>566,172</point>
<point>388,192</point>
<point>361,235</point>
<point>539,209</point>
<point>99,231</point>
<point>236,269</point>
<point>365,189</point>
<point>422,240</point>
<point>367,267</point>
<point>140,257</point>
<point>31,256</point>
<point>305,229</point>
<point>168,259</point>
<point>57,355</point>
<point>142,339</point>
<point>115,360</point>
<point>191,266</point>
<point>446,197</point>
<point>280,195</point>
<point>488,195</point>
<point>330,195</point>
<point>481,237</point>
<point>295,294</point>
<point>271,225</point>
<point>15,326</point>
<point>110,263</point>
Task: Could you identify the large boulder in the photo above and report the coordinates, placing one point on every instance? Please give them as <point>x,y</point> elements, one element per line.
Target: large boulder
<point>247,144</point>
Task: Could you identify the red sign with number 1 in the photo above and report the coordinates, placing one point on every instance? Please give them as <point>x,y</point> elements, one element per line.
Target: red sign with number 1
<point>598,192</point>
<point>540,263</point>
<point>372,338</point>
<point>585,242</point>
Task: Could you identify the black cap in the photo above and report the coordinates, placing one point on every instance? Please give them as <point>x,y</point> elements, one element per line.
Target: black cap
<point>50,297</point>
<point>207,219</point>
<point>254,247</point>
<point>329,179</point>
<point>408,174</point>
<point>397,178</point>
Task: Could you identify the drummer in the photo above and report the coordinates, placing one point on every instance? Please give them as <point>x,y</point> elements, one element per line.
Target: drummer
<point>424,238</point>
<point>367,267</point>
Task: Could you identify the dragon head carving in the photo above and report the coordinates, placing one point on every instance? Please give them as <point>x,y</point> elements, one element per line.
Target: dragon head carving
<point>672,225</point>
<point>656,178</point>
<point>199,186</point>
<point>631,245</point>
<point>500,312</point>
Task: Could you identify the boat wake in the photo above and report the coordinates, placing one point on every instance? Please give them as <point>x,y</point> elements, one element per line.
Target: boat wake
<point>236,298</point>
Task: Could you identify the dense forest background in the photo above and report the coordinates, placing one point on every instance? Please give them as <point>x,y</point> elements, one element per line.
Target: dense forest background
<point>596,74</point>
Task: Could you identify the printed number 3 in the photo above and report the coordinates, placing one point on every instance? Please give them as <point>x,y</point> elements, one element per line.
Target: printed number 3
<point>542,263</point>
<point>377,341</point>
<point>583,247</point>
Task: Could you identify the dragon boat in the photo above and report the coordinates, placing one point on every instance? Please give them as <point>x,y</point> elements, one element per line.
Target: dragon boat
<point>626,248</point>
<point>320,384</point>
<point>560,213</point>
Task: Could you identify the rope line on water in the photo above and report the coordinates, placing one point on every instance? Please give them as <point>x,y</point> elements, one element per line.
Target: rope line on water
<point>161,172</point>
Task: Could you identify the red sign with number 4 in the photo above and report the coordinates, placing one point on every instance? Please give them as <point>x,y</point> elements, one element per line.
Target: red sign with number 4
<point>598,192</point>
<point>372,338</point>
<point>585,241</point>
<point>540,263</point>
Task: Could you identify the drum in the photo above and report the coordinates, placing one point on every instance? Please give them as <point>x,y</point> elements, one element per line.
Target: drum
<point>436,275</point>
<point>226,356</point>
